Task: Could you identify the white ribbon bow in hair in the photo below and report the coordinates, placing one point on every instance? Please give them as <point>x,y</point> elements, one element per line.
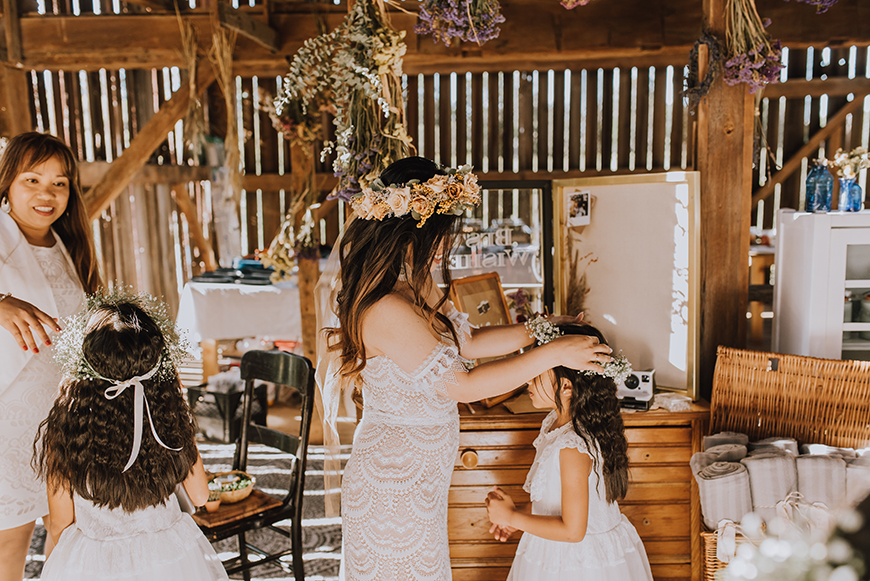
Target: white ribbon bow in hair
<point>138,400</point>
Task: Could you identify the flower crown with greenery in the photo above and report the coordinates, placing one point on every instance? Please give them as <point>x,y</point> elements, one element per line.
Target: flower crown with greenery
<point>442,194</point>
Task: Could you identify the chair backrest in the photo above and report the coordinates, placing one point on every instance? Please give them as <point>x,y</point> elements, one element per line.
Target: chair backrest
<point>283,369</point>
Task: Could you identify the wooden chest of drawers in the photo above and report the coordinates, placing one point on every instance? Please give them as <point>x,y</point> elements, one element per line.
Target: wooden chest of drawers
<point>495,447</point>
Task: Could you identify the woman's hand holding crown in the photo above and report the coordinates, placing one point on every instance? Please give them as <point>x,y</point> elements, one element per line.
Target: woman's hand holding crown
<point>580,352</point>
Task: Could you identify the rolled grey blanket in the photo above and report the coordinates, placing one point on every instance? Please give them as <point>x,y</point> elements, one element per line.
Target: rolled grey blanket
<point>769,450</point>
<point>728,452</point>
<point>724,438</point>
<point>821,449</point>
<point>788,444</point>
<point>772,477</point>
<point>822,479</point>
<point>725,492</point>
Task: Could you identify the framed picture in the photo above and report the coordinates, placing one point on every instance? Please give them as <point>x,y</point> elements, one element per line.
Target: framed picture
<point>482,298</point>
<point>626,255</point>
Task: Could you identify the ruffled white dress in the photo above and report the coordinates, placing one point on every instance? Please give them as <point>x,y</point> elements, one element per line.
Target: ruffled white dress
<point>395,485</point>
<point>158,543</point>
<point>29,399</point>
<point>611,550</point>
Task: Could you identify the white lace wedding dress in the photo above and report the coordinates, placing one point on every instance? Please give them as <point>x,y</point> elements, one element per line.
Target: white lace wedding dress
<point>158,543</point>
<point>394,489</point>
<point>611,550</point>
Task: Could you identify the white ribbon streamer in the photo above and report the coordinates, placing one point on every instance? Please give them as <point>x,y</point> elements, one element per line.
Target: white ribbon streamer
<point>139,402</point>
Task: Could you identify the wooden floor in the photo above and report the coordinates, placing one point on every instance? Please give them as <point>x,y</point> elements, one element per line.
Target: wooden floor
<point>285,417</point>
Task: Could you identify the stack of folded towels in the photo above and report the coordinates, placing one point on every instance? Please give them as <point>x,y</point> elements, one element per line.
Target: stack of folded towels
<point>736,476</point>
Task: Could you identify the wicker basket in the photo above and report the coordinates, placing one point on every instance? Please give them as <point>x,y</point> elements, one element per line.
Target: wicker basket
<point>819,401</point>
<point>231,496</point>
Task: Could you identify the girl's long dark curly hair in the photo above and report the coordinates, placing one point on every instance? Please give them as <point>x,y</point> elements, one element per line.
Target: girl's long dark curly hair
<point>595,416</point>
<point>373,254</point>
<point>85,441</point>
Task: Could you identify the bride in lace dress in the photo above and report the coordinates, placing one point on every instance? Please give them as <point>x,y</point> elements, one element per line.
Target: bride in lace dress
<point>404,345</point>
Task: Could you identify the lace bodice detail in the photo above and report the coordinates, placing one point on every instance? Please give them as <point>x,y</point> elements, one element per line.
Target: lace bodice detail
<point>544,483</point>
<point>394,492</point>
<point>106,524</point>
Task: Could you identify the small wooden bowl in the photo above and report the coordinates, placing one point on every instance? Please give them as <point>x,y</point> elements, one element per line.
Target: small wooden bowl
<point>231,496</point>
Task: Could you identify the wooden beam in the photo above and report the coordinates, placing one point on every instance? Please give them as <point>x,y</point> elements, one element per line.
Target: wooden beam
<point>90,173</point>
<point>833,86</point>
<point>12,29</point>
<point>246,25</point>
<point>142,146</point>
<point>724,159</point>
<point>188,208</point>
<point>794,162</point>
<point>15,100</point>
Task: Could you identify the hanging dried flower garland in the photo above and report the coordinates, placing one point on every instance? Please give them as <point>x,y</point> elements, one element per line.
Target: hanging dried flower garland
<point>356,72</point>
<point>301,126</point>
<point>572,4</point>
<point>465,20</point>
<point>753,57</point>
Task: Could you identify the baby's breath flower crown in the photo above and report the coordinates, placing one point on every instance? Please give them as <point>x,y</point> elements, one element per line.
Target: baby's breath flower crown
<point>442,194</point>
<point>543,331</point>
<point>69,352</point>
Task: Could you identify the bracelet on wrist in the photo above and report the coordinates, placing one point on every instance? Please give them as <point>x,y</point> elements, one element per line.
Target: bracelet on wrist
<point>542,330</point>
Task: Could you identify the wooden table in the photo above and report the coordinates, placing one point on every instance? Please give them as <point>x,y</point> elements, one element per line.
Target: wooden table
<point>495,447</point>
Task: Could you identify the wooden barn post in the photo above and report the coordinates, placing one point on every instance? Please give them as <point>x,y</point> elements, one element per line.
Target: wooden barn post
<point>724,158</point>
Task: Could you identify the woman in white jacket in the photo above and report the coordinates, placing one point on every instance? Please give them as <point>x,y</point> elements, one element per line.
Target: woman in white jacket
<point>47,264</point>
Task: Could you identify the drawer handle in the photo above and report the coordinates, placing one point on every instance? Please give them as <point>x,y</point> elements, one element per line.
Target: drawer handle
<point>469,459</point>
<point>645,521</point>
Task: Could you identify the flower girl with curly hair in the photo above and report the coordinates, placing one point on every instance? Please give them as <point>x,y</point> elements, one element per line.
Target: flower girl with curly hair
<point>117,442</point>
<point>573,526</point>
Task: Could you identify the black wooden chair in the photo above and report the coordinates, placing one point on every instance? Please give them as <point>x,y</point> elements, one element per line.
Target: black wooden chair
<point>261,510</point>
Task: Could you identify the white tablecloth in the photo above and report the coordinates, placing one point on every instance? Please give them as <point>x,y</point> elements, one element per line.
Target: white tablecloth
<point>232,311</point>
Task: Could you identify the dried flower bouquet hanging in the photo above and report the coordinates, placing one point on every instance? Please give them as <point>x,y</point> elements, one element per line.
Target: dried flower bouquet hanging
<point>356,72</point>
<point>465,20</point>
<point>753,57</point>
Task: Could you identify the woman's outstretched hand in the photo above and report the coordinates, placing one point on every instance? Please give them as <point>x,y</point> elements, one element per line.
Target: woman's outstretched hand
<point>23,320</point>
<point>581,352</point>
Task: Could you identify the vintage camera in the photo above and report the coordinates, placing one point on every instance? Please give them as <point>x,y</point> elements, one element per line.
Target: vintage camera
<point>636,391</point>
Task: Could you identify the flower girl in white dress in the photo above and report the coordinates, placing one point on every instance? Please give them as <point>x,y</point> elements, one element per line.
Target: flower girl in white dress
<point>573,527</point>
<point>117,442</point>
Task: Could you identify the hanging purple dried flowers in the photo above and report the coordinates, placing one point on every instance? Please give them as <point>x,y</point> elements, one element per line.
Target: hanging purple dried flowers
<point>465,20</point>
<point>752,56</point>
<point>821,5</point>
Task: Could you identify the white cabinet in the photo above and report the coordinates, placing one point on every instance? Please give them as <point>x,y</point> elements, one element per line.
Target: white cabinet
<point>820,260</point>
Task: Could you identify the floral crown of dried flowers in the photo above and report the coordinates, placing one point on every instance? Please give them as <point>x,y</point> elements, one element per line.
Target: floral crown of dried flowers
<point>544,331</point>
<point>442,194</point>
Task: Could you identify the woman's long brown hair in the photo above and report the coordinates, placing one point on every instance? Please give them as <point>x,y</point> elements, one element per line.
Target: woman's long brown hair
<point>28,150</point>
<point>373,253</point>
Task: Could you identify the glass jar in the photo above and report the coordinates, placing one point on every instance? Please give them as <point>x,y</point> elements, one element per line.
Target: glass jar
<point>820,187</point>
<point>850,195</point>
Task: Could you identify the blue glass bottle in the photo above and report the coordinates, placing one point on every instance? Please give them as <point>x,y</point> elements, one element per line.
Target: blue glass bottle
<point>820,187</point>
<point>856,195</point>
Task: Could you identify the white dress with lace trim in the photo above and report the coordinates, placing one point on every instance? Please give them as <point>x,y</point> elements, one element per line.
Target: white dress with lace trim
<point>394,490</point>
<point>611,549</point>
<point>28,400</point>
<point>158,542</point>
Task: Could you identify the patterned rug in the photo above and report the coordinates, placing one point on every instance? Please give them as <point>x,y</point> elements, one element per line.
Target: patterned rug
<point>321,535</point>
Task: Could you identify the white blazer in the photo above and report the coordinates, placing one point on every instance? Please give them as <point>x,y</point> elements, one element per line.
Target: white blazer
<point>20,275</point>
